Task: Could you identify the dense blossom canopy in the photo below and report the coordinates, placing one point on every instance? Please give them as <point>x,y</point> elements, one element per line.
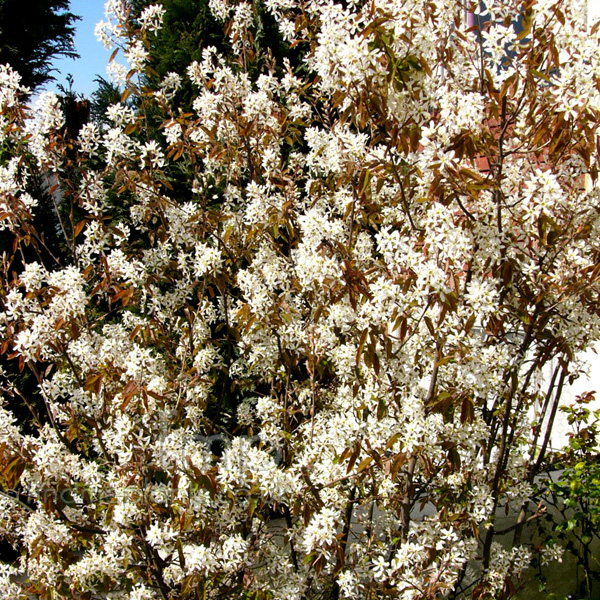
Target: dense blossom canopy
<point>306,340</point>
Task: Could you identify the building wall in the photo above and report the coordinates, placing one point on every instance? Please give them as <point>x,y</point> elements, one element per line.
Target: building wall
<point>593,11</point>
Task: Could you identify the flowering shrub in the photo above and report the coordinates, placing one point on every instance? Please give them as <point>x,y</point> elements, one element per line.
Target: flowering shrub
<point>316,368</point>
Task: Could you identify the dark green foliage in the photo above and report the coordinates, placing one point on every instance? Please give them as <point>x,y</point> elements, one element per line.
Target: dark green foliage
<point>578,491</point>
<point>106,94</point>
<point>188,27</point>
<point>32,33</point>
<point>573,498</point>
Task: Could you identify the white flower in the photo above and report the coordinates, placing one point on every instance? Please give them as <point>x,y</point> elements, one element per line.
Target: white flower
<point>105,33</point>
<point>482,296</point>
<point>380,568</point>
<point>234,552</point>
<point>89,138</point>
<point>151,17</point>
<point>117,72</point>
<point>121,114</point>
<point>199,558</point>
<point>10,86</point>
<point>169,85</point>
<point>141,592</point>
<point>155,535</point>
<point>137,55</point>
<point>172,132</point>
<point>48,114</point>
<point>207,259</point>
<point>321,530</point>
<point>349,583</point>
<point>151,155</point>
<point>117,144</point>
<point>551,554</point>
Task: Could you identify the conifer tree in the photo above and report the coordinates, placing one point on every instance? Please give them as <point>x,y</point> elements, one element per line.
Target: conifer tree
<point>32,33</point>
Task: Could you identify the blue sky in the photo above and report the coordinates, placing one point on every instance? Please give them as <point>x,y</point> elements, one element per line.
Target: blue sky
<point>93,55</point>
